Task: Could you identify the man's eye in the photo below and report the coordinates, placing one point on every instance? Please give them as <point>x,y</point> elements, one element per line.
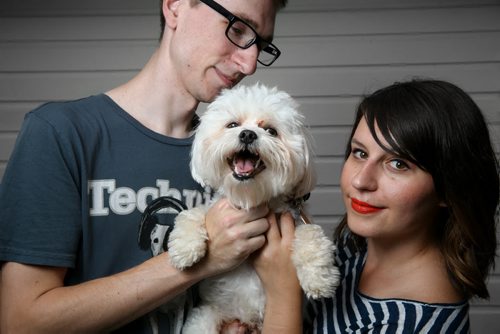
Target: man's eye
<point>236,31</point>
<point>239,29</point>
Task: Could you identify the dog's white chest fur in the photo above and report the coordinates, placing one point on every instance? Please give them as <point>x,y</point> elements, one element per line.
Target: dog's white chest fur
<point>253,148</point>
<point>235,295</point>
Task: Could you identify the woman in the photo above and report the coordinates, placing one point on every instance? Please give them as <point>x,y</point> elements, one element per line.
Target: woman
<point>421,187</point>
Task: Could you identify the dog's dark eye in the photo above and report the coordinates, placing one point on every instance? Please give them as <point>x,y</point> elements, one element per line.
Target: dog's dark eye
<point>272,132</point>
<point>232,125</point>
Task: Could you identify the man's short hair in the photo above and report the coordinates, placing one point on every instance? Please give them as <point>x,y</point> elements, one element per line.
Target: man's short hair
<point>280,4</point>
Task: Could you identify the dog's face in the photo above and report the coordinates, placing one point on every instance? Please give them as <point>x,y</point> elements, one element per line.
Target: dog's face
<point>252,145</point>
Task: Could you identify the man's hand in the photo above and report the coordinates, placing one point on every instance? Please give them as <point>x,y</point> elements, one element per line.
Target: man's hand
<point>233,235</point>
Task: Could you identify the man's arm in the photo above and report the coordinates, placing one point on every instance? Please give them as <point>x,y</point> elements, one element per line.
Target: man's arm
<point>34,298</point>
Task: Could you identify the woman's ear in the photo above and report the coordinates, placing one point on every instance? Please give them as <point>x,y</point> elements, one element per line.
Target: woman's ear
<point>170,9</point>
<point>442,204</point>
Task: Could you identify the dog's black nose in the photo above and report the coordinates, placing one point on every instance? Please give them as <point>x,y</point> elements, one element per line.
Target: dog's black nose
<point>247,136</point>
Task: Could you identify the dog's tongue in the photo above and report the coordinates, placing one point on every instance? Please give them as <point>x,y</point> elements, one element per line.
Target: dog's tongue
<point>244,165</point>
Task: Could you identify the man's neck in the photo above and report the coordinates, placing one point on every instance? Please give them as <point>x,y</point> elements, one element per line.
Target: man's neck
<point>155,102</point>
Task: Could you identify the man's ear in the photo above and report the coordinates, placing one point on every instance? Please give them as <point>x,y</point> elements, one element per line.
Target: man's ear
<point>170,9</point>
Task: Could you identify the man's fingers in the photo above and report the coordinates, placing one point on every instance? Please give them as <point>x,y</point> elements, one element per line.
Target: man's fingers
<point>257,212</point>
<point>255,228</point>
<point>256,243</point>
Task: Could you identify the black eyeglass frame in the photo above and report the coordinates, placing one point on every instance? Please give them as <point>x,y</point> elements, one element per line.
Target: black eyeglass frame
<point>262,44</point>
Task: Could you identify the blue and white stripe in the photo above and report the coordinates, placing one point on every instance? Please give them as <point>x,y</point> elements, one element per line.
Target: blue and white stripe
<point>352,312</point>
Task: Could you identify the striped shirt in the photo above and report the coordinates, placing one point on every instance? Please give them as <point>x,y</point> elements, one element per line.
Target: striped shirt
<point>352,312</point>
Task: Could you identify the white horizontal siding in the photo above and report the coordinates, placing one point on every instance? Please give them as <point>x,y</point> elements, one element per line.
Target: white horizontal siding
<point>134,7</point>
<point>334,51</point>
<point>299,81</point>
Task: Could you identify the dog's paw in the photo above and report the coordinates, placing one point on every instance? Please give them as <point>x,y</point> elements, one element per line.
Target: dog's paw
<point>187,242</point>
<point>313,258</point>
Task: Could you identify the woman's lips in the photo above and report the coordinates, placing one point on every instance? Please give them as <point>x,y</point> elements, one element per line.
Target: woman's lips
<point>362,207</point>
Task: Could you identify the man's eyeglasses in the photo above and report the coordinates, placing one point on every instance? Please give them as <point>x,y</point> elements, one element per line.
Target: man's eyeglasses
<point>244,36</point>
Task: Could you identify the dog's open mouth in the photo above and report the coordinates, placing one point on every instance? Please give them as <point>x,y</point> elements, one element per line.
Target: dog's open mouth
<point>245,165</point>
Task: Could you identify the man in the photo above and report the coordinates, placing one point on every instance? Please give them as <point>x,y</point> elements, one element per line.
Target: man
<point>82,172</point>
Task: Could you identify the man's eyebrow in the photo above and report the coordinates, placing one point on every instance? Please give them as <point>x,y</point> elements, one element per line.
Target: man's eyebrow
<point>248,20</point>
<point>254,25</point>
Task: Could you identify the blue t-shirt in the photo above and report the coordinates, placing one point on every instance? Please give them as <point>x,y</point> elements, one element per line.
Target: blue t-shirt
<point>79,177</point>
<point>352,312</point>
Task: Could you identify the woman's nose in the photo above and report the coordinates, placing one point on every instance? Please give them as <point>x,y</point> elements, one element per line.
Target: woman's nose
<point>366,177</point>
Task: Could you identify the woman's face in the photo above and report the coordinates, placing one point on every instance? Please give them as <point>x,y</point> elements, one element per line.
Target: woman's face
<point>386,197</point>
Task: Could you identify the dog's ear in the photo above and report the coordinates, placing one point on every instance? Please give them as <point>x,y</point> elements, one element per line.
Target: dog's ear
<point>308,182</point>
<point>196,163</point>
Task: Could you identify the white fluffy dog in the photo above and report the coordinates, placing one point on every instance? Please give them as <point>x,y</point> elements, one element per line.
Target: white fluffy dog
<point>251,146</point>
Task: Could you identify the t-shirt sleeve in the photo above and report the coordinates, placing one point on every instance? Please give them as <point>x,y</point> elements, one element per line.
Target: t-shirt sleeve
<point>40,200</point>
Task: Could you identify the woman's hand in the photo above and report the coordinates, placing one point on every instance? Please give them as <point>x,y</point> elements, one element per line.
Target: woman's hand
<point>275,268</point>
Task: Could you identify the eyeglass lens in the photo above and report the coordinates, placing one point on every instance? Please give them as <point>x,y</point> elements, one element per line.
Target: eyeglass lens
<point>242,35</point>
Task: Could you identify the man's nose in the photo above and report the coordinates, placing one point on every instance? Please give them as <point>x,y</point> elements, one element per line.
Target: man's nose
<point>247,59</point>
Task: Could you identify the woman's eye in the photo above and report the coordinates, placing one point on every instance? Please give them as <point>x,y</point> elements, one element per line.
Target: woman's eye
<point>232,125</point>
<point>272,132</point>
<point>398,164</point>
<point>360,154</point>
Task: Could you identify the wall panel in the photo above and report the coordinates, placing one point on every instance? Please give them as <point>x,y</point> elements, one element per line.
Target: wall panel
<point>334,52</point>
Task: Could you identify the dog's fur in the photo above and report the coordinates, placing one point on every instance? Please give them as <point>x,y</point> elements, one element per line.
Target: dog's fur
<point>252,147</point>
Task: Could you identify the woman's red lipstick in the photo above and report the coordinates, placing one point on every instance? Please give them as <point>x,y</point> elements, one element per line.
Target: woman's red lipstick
<point>362,207</point>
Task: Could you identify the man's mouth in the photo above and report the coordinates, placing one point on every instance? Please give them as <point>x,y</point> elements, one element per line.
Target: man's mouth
<point>228,80</point>
<point>245,165</point>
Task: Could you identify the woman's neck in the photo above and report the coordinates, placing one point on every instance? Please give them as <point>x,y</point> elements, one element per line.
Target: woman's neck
<point>407,270</point>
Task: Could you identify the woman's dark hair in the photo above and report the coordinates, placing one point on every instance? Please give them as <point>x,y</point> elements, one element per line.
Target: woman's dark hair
<point>278,3</point>
<point>437,126</point>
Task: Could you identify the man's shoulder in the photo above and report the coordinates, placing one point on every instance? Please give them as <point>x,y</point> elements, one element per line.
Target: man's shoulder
<point>80,112</point>
<point>56,109</point>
